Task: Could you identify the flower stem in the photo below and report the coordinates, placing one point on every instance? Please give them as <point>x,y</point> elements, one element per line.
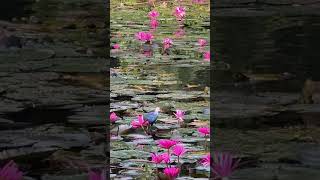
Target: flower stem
<point>118,131</point>
<point>207,144</point>
<point>144,130</point>
<point>169,156</point>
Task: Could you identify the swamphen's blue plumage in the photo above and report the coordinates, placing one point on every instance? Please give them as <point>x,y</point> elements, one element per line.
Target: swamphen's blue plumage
<point>152,117</point>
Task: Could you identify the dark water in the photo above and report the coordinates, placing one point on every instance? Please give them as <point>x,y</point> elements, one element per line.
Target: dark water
<point>268,45</point>
<point>15,9</point>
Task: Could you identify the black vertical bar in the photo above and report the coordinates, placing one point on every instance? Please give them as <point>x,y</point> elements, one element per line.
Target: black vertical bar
<point>107,39</point>
<point>211,87</point>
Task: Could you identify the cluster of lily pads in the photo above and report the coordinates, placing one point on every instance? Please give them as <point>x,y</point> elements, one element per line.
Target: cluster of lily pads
<point>146,37</point>
<point>169,147</point>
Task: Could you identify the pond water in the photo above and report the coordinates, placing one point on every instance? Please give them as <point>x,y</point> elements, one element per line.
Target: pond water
<point>258,110</point>
<point>268,45</point>
<point>15,9</point>
<point>143,77</point>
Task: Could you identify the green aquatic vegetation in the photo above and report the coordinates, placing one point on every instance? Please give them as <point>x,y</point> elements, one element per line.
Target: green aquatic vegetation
<point>159,69</point>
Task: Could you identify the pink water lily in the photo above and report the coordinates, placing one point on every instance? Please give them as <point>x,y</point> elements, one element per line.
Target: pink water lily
<point>180,33</point>
<point>167,43</point>
<point>156,158</point>
<point>144,36</point>
<point>10,171</point>
<point>171,172</point>
<point>151,2</point>
<point>165,157</point>
<point>204,131</point>
<point>97,175</point>
<point>198,1</point>
<point>180,13</point>
<point>179,150</point>
<point>166,143</point>
<point>205,161</point>
<point>140,122</point>
<point>206,56</point>
<point>116,46</point>
<point>154,23</point>
<point>113,117</point>
<point>153,14</point>
<point>179,114</point>
<point>202,42</point>
<point>223,164</point>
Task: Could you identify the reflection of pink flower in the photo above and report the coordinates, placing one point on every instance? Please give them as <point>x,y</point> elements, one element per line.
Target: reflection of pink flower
<point>96,175</point>
<point>179,150</point>
<point>166,143</point>
<point>167,43</point>
<point>153,14</point>
<point>202,42</point>
<point>179,12</point>
<point>205,161</point>
<point>179,114</point>
<point>154,23</point>
<point>204,131</point>
<point>206,56</point>
<point>156,158</point>
<point>113,117</point>
<point>223,164</point>
<point>10,171</point>
<point>171,172</point>
<point>140,122</point>
<point>144,36</point>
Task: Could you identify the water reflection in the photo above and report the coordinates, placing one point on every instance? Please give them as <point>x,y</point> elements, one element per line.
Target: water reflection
<point>268,45</point>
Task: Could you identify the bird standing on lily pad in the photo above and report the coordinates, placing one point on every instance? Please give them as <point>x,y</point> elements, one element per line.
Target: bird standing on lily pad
<point>152,117</point>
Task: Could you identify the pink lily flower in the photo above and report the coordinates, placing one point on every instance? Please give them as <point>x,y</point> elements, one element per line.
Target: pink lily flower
<point>206,56</point>
<point>153,14</point>
<point>116,46</point>
<point>179,114</point>
<point>151,2</point>
<point>156,158</point>
<point>202,42</point>
<point>171,172</point>
<point>198,1</point>
<point>180,33</point>
<point>154,23</point>
<point>167,43</point>
<point>140,122</point>
<point>144,36</point>
<point>179,150</point>
<point>113,117</point>
<point>205,161</point>
<point>165,157</point>
<point>10,171</point>
<point>166,143</point>
<point>180,13</point>
<point>204,131</point>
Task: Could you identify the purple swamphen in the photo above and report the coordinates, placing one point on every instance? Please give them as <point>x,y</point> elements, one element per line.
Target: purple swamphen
<point>152,117</point>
